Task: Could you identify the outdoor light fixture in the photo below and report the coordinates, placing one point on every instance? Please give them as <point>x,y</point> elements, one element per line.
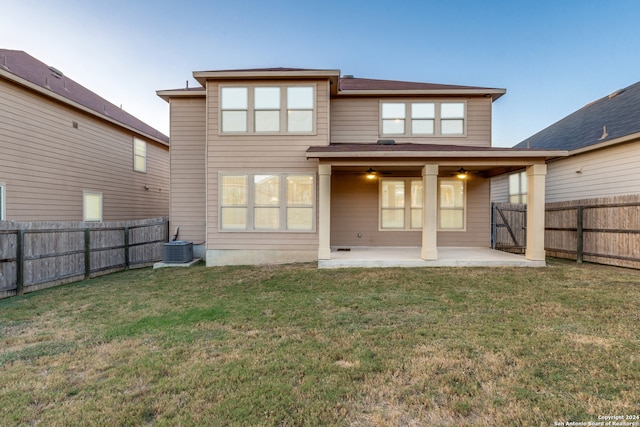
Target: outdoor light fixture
<point>461,173</point>
<point>371,173</point>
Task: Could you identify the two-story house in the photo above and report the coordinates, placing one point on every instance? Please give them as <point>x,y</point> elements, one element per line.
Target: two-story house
<point>284,165</point>
<point>67,154</point>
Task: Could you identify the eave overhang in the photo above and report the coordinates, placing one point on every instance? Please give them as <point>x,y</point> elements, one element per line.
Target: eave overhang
<point>181,93</point>
<point>203,76</point>
<point>429,151</point>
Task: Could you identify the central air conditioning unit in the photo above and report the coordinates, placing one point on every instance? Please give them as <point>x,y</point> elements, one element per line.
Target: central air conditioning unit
<point>178,251</point>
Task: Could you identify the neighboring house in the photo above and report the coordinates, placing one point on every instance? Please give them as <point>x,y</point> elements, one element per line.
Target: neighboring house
<point>282,165</point>
<point>603,142</point>
<point>66,154</point>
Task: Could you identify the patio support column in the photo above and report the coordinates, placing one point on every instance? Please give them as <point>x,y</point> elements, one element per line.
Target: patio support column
<point>429,212</point>
<point>535,212</point>
<point>324,212</point>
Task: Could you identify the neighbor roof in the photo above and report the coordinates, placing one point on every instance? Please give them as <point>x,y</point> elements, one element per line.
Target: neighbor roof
<point>607,119</point>
<point>52,82</point>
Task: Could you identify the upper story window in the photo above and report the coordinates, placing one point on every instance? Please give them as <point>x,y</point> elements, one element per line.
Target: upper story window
<point>518,187</point>
<point>422,118</point>
<point>267,109</point>
<point>139,155</point>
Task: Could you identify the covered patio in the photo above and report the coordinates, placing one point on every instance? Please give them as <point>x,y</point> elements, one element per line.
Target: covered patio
<point>350,230</point>
<point>361,256</point>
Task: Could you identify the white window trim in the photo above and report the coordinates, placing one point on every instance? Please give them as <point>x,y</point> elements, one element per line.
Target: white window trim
<point>464,205</point>
<point>283,205</point>
<point>407,204</point>
<point>283,110</point>
<point>437,131</point>
<point>84,207</point>
<point>3,201</point>
<point>136,155</point>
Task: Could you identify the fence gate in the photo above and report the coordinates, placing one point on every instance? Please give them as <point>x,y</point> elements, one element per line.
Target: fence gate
<point>509,227</point>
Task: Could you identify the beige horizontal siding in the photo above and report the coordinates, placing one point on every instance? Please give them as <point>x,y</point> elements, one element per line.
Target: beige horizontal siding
<point>354,210</point>
<point>356,121</point>
<point>46,163</point>
<point>608,172</point>
<point>252,154</point>
<point>478,231</point>
<point>188,168</point>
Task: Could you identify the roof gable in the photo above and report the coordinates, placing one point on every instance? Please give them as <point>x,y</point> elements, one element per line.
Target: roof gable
<point>606,119</point>
<point>51,80</point>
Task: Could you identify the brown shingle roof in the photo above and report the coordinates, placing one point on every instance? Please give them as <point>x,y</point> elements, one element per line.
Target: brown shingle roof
<point>354,83</point>
<point>34,71</point>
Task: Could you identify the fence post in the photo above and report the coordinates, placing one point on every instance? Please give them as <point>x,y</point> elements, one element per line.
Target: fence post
<point>20,262</point>
<point>87,253</point>
<point>580,234</point>
<point>126,248</point>
<point>493,225</point>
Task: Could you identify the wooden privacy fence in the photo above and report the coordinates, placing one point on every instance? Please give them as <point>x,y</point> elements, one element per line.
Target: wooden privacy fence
<point>508,227</point>
<point>603,230</point>
<point>38,255</point>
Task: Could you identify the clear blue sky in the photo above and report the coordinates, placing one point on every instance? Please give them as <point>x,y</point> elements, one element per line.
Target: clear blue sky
<point>553,57</point>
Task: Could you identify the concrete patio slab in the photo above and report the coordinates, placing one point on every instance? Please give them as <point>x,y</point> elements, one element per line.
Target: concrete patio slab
<point>410,257</point>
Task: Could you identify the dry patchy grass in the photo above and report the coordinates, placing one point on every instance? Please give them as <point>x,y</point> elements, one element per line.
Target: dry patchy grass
<point>293,345</point>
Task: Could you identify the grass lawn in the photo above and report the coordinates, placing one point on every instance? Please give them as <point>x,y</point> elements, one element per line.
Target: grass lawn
<point>294,345</point>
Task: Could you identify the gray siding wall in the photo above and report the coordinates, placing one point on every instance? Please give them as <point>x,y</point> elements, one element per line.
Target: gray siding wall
<point>500,189</point>
<point>188,166</point>
<point>260,154</point>
<point>356,121</point>
<point>607,172</point>
<point>46,163</point>
<point>354,209</point>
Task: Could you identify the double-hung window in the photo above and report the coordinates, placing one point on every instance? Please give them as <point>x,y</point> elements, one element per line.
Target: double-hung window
<point>518,187</point>
<point>400,204</point>
<point>267,109</point>
<point>262,202</point>
<point>452,203</point>
<point>234,106</point>
<point>422,118</point>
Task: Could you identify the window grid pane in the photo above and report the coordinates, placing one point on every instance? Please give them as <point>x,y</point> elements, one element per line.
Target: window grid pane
<point>234,98</point>
<point>234,121</point>
<point>452,127</point>
<point>300,98</point>
<point>234,218</point>
<point>234,190</point>
<point>299,218</point>
<point>266,218</point>
<point>300,120</point>
<point>266,98</point>
<point>267,121</point>
<point>393,219</point>
<point>266,190</point>
<point>300,190</point>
